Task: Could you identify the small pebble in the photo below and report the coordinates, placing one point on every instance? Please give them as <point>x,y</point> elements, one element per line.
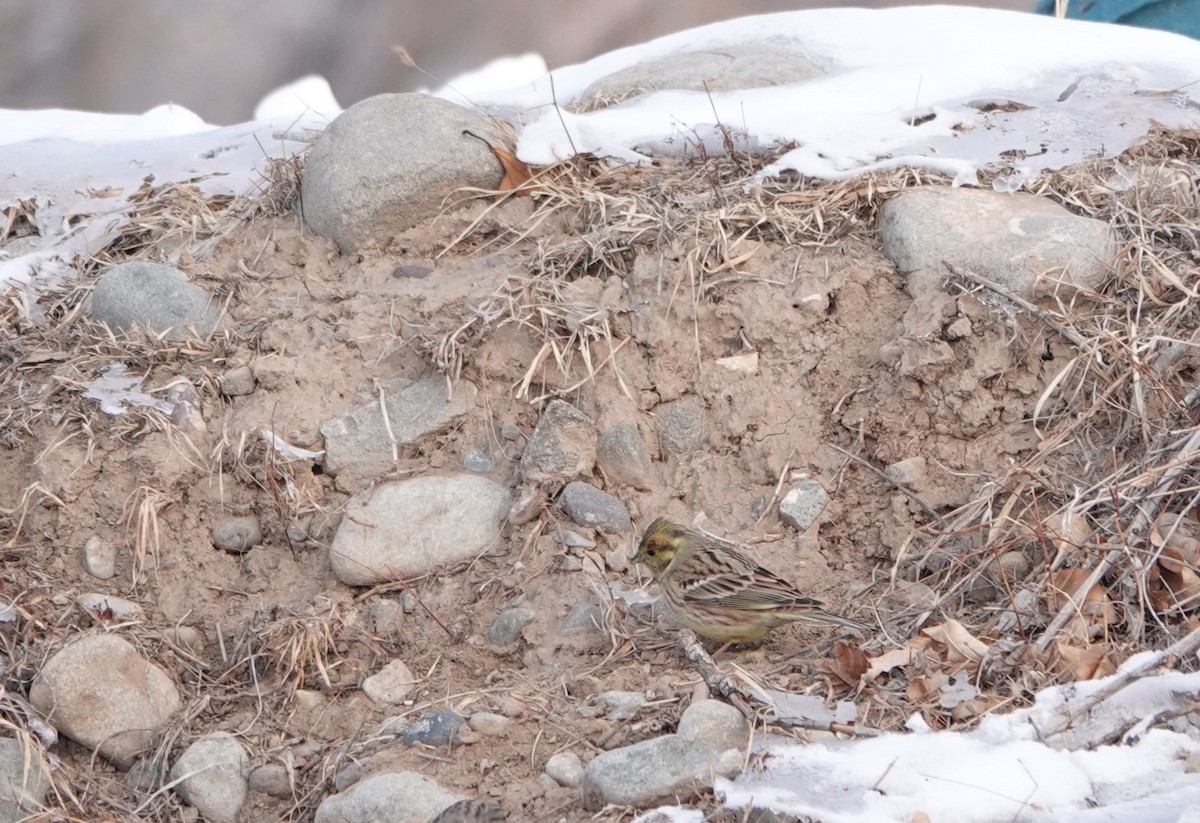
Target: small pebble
<point>508,625</point>
<point>715,723</point>
<point>489,724</point>
<point>109,608</point>
<point>436,729</point>
<point>100,558</point>
<point>237,534</point>
<point>391,684</point>
<point>237,382</point>
<point>476,461</point>
<point>565,768</point>
<point>801,506</point>
<point>271,779</point>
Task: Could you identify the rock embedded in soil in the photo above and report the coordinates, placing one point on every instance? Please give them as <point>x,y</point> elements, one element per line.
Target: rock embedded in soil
<point>663,767</point>
<point>272,779</point>
<point>507,626</point>
<point>562,447</point>
<point>801,506</point>
<point>390,162</point>
<point>153,297</point>
<point>589,506</point>
<point>100,692</point>
<point>100,558</point>
<point>23,781</point>
<point>490,724</point>
<point>680,426</point>
<point>391,684</point>
<point>213,775</point>
<point>237,382</point>
<point>237,534</point>
<point>358,442</point>
<point>909,472</point>
<point>409,527</point>
<point>622,456</point>
<point>433,729</point>
<point>400,796</point>
<point>715,723</point>
<point>1024,242</point>
<point>566,769</point>
<point>109,608</point>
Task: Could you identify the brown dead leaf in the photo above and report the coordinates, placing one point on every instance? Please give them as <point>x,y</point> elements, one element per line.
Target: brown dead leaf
<point>847,665</point>
<point>1097,609</point>
<point>516,174</point>
<point>887,661</point>
<point>1083,662</point>
<point>960,645</point>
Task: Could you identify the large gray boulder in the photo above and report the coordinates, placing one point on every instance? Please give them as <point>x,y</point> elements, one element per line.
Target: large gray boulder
<point>389,162</point>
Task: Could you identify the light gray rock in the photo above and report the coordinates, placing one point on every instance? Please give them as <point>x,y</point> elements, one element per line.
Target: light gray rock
<point>801,506</point>
<point>213,775</point>
<point>1027,243</point>
<point>100,692</point>
<point>400,796</point>
<point>583,617</point>
<point>565,768</point>
<point>715,723</point>
<point>638,775</point>
<point>272,779</point>
<point>476,460</point>
<point>389,162</point>
<point>909,472</point>
<point>391,684</point>
<point>490,724</point>
<point>622,456</point>
<point>385,618</point>
<point>563,445</point>
<point>358,442</point>
<point>108,608</point>
<point>100,557</point>
<point>507,626</point>
<point>237,534</point>
<point>680,426</point>
<point>737,66</point>
<point>151,296</point>
<point>23,783</point>
<point>408,527</point>
<point>621,705</point>
<point>589,506</point>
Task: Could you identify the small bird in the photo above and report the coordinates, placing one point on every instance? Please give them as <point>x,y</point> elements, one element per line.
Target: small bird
<point>470,811</point>
<point>720,593</point>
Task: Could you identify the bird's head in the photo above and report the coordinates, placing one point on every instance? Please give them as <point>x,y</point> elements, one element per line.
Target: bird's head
<point>662,543</point>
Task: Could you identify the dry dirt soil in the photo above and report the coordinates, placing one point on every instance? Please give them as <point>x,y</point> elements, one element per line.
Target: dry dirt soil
<point>285,646</point>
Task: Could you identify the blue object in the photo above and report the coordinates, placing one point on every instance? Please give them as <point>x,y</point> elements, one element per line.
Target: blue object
<point>1178,16</point>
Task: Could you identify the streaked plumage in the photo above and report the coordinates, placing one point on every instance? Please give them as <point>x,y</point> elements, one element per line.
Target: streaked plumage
<point>720,593</point>
<point>470,811</point>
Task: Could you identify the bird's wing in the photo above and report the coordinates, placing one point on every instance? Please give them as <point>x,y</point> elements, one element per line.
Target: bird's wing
<point>727,578</point>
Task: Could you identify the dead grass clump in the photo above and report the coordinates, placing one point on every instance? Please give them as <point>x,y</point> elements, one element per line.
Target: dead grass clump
<point>711,213</point>
<point>1105,508</point>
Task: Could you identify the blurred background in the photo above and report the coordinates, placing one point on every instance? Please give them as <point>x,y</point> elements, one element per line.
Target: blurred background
<point>219,57</point>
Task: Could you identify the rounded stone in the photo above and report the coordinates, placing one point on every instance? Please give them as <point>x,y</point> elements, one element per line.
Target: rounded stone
<point>409,527</point>
<point>100,557</point>
<point>391,684</point>
<point>213,775</point>
<point>389,162</point>
<point>715,723</point>
<point>102,693</point>
<point>565,768</point>
<point>237,534</point>
<point>590,506</point>
<point>151,296</point>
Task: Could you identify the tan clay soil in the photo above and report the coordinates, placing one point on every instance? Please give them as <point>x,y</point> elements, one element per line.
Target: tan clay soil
<point>843,362</point>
